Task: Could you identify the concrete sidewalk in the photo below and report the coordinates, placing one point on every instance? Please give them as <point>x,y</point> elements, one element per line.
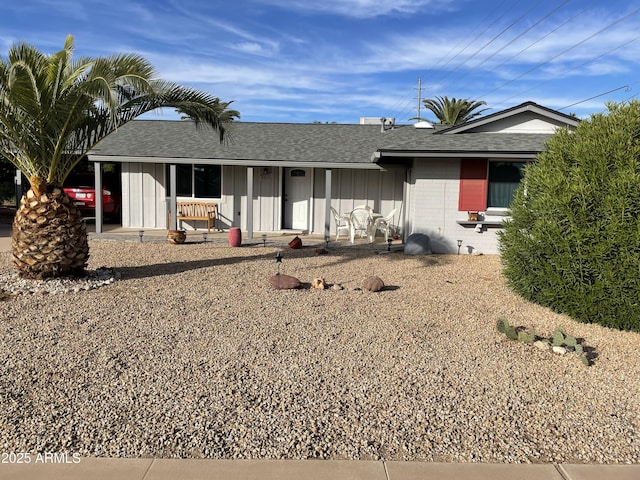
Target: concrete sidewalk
<point>169,469</point>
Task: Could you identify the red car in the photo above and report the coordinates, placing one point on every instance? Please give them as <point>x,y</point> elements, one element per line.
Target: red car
<point>80,188</point>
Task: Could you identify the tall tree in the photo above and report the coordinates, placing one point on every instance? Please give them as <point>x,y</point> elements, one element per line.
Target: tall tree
<point>53,110</point>
<point>454,111</point>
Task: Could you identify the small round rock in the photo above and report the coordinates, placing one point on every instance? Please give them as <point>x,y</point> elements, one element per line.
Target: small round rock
<point>373,284</point>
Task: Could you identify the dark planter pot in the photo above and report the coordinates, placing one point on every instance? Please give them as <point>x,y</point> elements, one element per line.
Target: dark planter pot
<point>296,243</point>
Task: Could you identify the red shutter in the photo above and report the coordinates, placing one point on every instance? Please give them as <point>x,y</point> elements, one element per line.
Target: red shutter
<point>473,184</point>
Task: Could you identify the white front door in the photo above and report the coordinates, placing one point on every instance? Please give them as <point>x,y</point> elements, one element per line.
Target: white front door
<point>297,192</point>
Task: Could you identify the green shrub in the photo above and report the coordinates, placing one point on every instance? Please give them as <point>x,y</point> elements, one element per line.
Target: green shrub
<point>573,241</point>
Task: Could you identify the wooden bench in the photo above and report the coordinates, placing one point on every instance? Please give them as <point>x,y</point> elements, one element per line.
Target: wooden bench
<point>204,211</point>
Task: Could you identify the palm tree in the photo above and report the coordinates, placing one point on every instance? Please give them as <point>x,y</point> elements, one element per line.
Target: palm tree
<point>454,111</point>
<point>53,110</point>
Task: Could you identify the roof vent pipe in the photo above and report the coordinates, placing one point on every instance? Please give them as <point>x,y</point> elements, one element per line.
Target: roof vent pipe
<point>382,122</point>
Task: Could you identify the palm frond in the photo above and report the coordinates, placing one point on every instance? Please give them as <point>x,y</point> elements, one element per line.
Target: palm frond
<point>453,111</point>
<point>54,109</point>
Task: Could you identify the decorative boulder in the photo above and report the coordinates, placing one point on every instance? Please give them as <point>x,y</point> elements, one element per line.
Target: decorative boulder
<point>418,244</point>
<point>319,283</point>
<point>373,284</point>
<point>284,282</point>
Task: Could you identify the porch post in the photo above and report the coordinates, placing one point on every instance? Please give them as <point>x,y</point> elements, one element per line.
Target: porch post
<point>327,202</point>
<point>173,219</point>
<point>406,204</point>
<point>249,202</point>
<point>97,166</point>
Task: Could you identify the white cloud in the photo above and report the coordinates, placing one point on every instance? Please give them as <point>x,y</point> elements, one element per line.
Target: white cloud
<point>363,8</point>
<point>250,47</point>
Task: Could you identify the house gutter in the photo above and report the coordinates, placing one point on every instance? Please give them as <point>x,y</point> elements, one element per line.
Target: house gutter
<point>450,154</point>
<point>246,163</point>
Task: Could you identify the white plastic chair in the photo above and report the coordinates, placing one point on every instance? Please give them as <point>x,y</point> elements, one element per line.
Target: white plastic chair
<point>384,224</point>
<point>361,222</point>
<point>343,223</point>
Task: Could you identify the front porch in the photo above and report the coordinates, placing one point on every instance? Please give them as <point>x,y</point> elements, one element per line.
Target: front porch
<point>268,239</point>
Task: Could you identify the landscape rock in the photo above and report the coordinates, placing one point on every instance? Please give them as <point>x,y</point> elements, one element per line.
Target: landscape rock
<point>418,244</point>
<point>284,282</point>
<point>559,350</point>
<point>373,284</point>
<point>318,283</point>
<point>192,354</point>
<point>539,344</point>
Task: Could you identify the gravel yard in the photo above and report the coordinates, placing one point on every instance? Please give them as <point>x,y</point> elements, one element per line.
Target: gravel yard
<point>192,354</point>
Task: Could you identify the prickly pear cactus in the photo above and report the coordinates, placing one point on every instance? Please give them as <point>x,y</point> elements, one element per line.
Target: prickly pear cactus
<point>502,325</point>
<point>585,360</point>
<point>558,337</point>
<point>526,337</point>
<point>512,333</point>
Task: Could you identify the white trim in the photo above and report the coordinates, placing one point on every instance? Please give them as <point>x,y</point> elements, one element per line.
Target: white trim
<point>451,154</point>
<point>528,107</point>
<point>228,162</point>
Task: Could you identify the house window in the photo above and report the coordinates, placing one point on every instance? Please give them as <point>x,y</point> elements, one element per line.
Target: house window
<point>504,178</point>
<point>199,181</point>
<point>487,184</point>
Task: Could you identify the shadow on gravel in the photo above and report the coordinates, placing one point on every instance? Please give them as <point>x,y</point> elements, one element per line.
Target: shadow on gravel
<point>171,268</point>
<point>337,256</point>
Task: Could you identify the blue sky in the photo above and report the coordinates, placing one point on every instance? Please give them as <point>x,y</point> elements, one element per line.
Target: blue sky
<point>339,60</point>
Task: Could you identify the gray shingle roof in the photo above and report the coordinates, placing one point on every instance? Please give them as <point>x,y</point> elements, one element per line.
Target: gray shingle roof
<point>286,142</point>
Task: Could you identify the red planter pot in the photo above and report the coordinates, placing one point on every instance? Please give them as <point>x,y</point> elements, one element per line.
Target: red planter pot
<point>235,237</point>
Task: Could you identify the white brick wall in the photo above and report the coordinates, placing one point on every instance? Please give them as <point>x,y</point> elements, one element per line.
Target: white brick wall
<point>434,209</point>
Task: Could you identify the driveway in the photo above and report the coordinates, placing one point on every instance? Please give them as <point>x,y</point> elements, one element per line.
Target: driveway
<point>5,237</point>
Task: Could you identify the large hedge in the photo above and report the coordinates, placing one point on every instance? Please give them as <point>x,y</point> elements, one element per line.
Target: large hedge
<point>573,240</point>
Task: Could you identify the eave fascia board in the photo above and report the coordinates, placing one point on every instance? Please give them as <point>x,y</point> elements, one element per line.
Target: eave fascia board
<point>528,107</point>
<point>233,162</point>
<point>448,154</point>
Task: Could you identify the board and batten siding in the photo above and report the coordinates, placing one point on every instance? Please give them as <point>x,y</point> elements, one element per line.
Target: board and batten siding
<point>144,202</point>
<point>381,190</point>
<point>266,199</point>
<point>434,193</point>
<point>143,195</point>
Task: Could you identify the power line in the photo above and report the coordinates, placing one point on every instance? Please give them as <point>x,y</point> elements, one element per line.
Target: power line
<point>575,68</point>
<point>513,40</point>
<point>625,87</point>
<point>564,51</point>
<point>437,66</point>
<point>400,106</point>
<point>404,104</point>
<point>572,18</point>
<point>471,42</point>
<point>544,36</point>
<point>492,40</point>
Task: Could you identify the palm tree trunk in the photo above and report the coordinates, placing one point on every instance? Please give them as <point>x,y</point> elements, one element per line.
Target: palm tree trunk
<point>49,237</point>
